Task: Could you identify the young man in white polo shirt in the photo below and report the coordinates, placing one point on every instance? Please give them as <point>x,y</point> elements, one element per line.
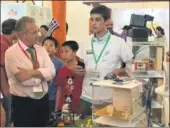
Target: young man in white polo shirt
<point>103,54</point>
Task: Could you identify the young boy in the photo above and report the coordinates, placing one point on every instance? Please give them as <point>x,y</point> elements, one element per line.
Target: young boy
<point>68,82</point>
<point>51,44</point>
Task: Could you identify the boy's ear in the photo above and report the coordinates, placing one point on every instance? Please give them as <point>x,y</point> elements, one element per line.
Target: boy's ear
<point>107,22</point>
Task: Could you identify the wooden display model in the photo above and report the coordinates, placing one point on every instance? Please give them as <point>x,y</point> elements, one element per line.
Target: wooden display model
<point>126,103</point>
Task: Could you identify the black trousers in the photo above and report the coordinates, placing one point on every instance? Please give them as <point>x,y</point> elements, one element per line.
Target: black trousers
<point>51,106</point>
<point>85,108</point>
<point>29,112</point>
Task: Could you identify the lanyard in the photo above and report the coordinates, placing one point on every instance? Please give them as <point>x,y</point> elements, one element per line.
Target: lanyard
<point>95,58</point>
<point>35,63</point>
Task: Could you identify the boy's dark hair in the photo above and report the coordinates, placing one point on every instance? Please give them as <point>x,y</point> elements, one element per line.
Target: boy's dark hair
<point>52,39</point>
<point>159,28</point>
<point>44,26</point>
<point>72,44</point>
<point>102,10</point>
<point>8,26</point>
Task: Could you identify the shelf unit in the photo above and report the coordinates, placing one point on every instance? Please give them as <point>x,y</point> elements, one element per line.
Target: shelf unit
<point>158,73</point>
<point>112,113</point>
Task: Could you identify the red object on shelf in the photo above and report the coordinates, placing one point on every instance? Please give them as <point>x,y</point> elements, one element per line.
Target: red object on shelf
<point>141,65</point>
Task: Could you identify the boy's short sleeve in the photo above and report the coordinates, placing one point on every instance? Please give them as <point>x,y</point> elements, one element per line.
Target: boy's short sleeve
<point>59,78</point>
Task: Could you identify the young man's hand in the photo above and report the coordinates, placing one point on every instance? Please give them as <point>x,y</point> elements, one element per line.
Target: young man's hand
<point>78,70</point>
<point>120,72</point>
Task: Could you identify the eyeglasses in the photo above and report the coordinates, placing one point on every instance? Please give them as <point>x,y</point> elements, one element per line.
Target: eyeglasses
<point>32,33</point>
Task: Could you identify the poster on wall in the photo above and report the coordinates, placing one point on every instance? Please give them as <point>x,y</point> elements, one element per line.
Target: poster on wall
<point>47,16</point>
<point>42,15</point>
<point>33,11</point>
<point>14,11</point>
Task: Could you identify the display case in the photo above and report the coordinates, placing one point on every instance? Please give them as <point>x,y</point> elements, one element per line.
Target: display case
<point>124,108</point>
<point>156,77</point>
<point>125,103</point>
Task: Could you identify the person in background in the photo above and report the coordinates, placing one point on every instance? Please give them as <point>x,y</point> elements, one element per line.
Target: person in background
<point>124,33</point>
<point>28,68</point>
<point>103,54</point>
<point>7,38</point>
<point>110,28</point>
<point>159,31</point>
<point>150,32</point>
<point>51,45</point>
<point>67,81</point>
<point>150,35</point>
<point>66,28</point>
<point>160,34</point>
<point>68,38</point>
<point>44,33</point>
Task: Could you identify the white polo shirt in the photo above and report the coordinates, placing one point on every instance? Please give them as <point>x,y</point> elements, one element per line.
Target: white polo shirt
<point>116,52</point>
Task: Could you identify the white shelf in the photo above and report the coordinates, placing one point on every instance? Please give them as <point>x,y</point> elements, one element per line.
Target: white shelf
<point>121,123</point>
<point>161,91</point>
<point>155,104</point>
<point>155,44</point>
<point>148,74</point>
<point>110,84</point>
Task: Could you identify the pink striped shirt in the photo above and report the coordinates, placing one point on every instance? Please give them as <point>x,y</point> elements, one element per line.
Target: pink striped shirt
<point>15,57</point>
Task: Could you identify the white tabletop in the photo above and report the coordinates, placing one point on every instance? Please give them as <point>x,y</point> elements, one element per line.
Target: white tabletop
<point>110,84</point>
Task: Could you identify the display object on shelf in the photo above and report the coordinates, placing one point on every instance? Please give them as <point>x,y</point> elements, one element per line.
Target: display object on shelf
<point>143,65</point>
<point>126,106</point>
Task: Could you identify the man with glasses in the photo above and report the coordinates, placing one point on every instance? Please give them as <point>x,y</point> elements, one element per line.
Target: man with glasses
<point>28,68</point>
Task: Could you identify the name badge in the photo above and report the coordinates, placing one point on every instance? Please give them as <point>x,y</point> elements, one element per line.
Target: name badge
<point>88,52</point>
<point>95,76</point>
<point>38,90</point>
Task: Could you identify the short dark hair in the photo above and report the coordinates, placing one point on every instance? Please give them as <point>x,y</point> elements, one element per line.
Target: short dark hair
<point>8,26</point>
<point>102,10</point>
<point>51,39</point>
<point>159,28</point>
<point>72,44</point>
<point>44,26</point>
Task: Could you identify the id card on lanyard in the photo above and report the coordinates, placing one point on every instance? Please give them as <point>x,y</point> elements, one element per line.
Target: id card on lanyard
<point>38,90</point>
<point>95,74</point>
